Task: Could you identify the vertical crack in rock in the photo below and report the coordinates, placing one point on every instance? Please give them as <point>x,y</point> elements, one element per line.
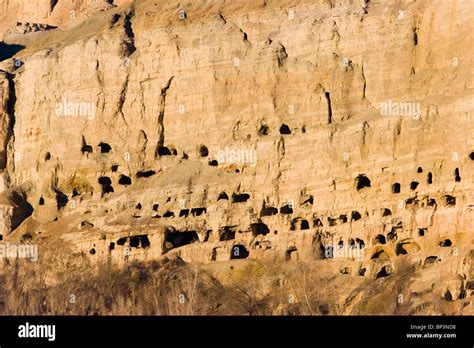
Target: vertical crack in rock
<point>52,5</point>
<point>335,34</point>
<point>129,32</point>
<point>221,16</point>
<point>130,49</point>
<point>100,82</point>
<point>8,94</point>
<point>328,99</point>
<point>364,88</point>
<point>415,36</point>
<point>123,96</point>
<point>365,7</point>
<point>280,156</point>
<point>246,38</point>
<point>397,130</point>
<point>415,39</point>
<point>364,85</point>
<point>281,55</point>
<point>161,116</point>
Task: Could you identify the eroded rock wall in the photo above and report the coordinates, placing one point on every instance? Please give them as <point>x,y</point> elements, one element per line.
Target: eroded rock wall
<point>283,129</point>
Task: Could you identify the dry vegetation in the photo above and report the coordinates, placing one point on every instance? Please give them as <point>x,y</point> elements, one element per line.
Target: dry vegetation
<point>68,285</point>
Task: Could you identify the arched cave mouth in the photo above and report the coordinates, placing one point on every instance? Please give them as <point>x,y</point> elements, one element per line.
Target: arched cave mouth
<point>124,180</point>
<point>106,184</point>
<point>9,50</point>
<point>259,229</point>
<point>105,148</point>
<point>227,233</point>
<point>362,181</point>
<point>285,130</point>
<point>238,251</point>
<point>176,239</point>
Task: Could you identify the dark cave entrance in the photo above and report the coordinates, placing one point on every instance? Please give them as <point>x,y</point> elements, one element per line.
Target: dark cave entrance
<point>238,252</point>
<point>178,239</point>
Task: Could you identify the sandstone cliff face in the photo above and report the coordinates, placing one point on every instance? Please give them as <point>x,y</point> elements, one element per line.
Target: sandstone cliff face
<point>254,130</point>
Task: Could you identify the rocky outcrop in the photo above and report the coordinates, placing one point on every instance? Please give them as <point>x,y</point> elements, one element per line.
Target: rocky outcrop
<point>301,131</point>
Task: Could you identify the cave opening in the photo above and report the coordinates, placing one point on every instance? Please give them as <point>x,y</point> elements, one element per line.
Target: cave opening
<point>140,241</point>
<point>264,130</point>
<point>362,181</point>
<point>327,95</point>
<point>457,177</point>
<point>106,184</point>
<point>380,254</point>
<point>85,148</point>
<point>238,252</point>
<point>240,197</point>
<point>178,238</point>
<point>392,235</point>
<point>355,215</point>
<point>430,260</point>
<point>227,233</point>
<point>449,200</point>
<point>431,202</point>
<point>145,173</point>
<point>380,239</point>
<point>105,148</point>
<point>163,151</point>
<point>203,151</point>
<point>429,178</point>
<point>61,199</point>
<point>289,251</point>
<point>124,180</point>
<point>198,211</point>
<point>259,229</point>
<point>286,209</point>
<point>317,222</point>
<point>304,225</point>
<point>332,221</point>
<point>285,130</point>
<point>445,243</point>
<point>396,188</point>
<point>384,272</point>
<point>268,211</point>
<point>361,243</point>
<point>223,195</point>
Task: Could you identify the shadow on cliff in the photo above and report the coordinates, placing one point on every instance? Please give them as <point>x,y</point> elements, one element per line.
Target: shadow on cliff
<point>8,51</point>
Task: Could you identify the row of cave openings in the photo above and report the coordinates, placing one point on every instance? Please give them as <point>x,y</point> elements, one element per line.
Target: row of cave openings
<point>105,148</point>
<point>382,239</point>
<point>132,242</point>
<point>176,239</point>
<point>362,181</point>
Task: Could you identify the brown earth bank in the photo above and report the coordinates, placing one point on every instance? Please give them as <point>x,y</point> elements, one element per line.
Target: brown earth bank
<point>237,157</point>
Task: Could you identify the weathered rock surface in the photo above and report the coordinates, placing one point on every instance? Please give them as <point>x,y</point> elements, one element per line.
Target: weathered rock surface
<point>296,130</point>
